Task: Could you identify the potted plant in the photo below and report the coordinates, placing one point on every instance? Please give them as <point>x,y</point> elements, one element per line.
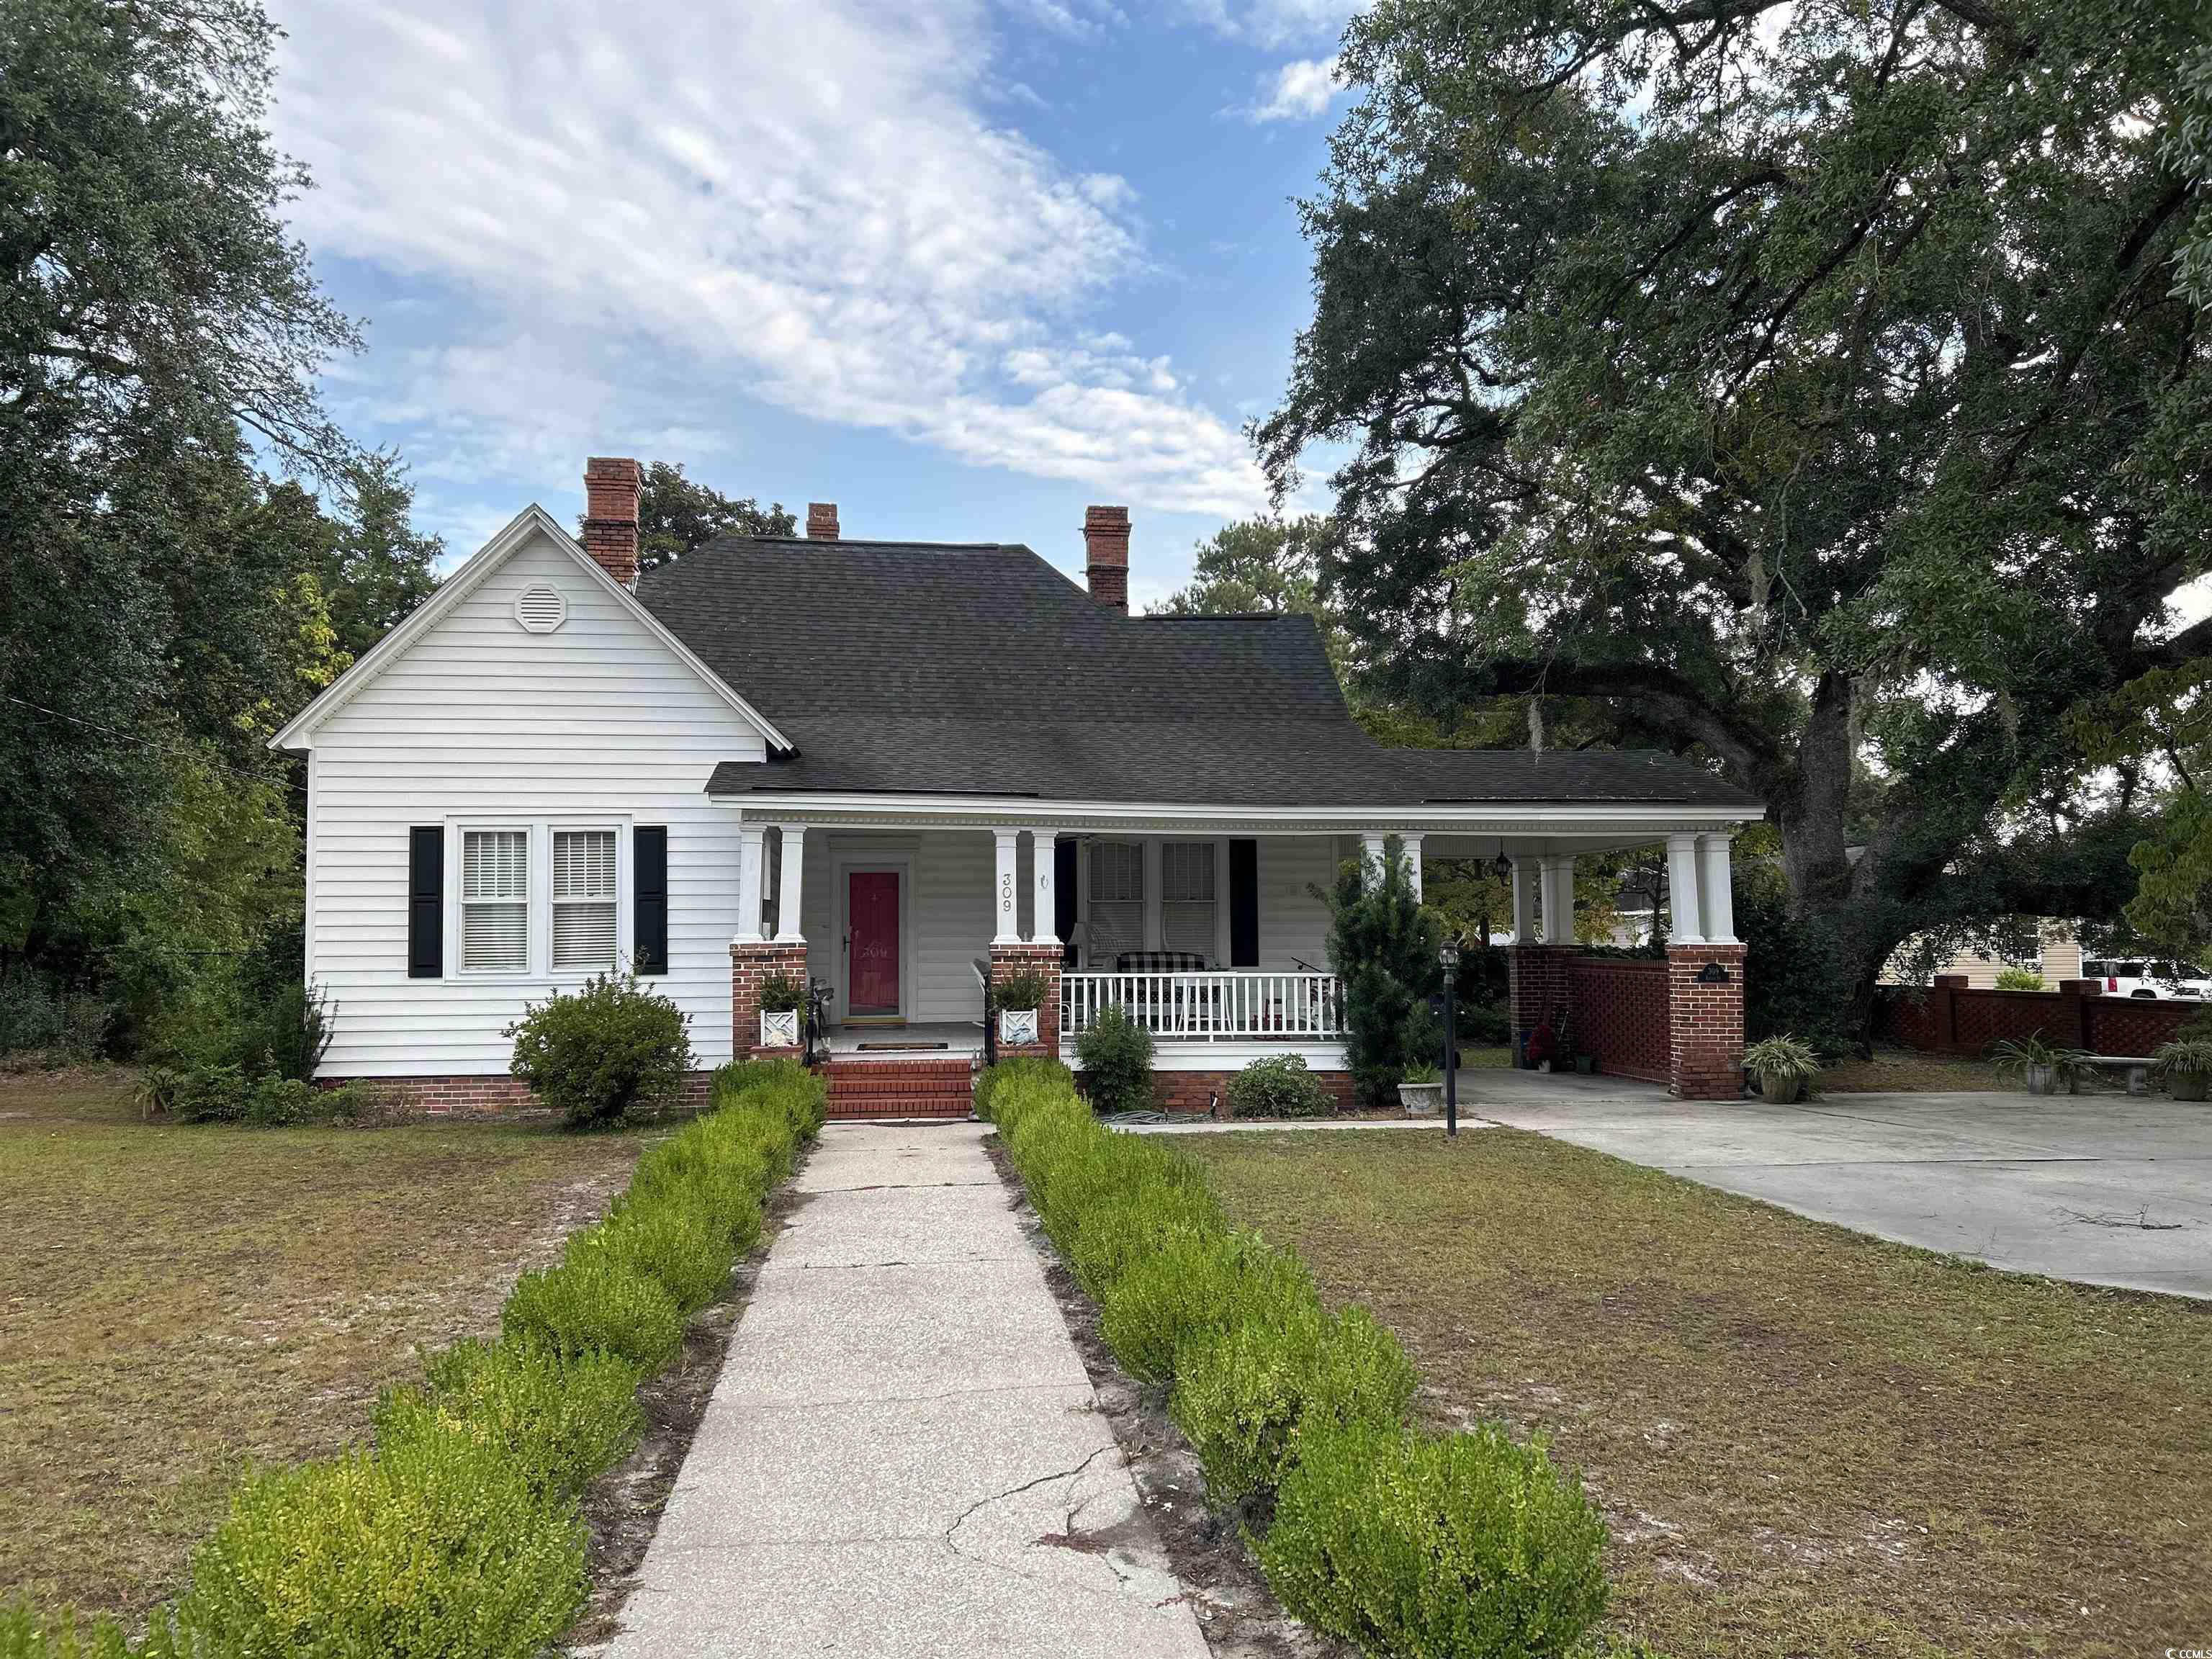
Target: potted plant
<point>781,997</point>
<point>1421,1091</point>
<point>1018,997</point>
<point>2185,1065</point>
<point>1783,1065</point>
<point>2042,1067</point>
<point>1586,1063</point>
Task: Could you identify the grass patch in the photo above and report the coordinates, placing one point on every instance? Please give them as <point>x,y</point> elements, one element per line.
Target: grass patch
<point>173,1301</point>
<point>1807,1441</point>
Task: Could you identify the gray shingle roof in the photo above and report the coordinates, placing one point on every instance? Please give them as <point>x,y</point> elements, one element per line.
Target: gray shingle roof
<point>899,667</point>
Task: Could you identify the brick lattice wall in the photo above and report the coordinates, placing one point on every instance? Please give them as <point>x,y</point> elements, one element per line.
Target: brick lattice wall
<point>1045,958</point>
<point>752,965</point>
<point>1704,1023</point>
<point>1620,1015</point>
<point>1948,1017</point>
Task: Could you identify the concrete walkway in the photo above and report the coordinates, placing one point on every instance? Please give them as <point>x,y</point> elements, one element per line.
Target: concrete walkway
<point>2108,1189</point>
<point>903,1455</point>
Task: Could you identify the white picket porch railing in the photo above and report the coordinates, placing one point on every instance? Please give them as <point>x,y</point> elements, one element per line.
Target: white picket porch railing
<point>1206,1006</point>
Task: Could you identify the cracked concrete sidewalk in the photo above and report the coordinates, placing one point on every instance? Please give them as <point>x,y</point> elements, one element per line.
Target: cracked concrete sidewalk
<point>902,1455</point>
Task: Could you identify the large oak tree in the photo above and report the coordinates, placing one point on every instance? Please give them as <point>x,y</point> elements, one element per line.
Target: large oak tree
<point>1804,383</point>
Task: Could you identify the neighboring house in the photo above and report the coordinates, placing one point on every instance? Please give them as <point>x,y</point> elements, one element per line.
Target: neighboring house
<point>882,764</point>
<point>2056,955</point>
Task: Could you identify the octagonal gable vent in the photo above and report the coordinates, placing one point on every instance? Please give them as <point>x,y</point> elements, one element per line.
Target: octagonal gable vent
<point>540,608</point>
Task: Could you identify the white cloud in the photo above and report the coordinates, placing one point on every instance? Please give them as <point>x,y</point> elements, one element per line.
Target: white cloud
<point>1272,24</point>
<point>1297,92</point>
<point>642,218</point>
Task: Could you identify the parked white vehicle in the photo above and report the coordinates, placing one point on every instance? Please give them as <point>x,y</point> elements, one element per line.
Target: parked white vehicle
<point>2151,980</point>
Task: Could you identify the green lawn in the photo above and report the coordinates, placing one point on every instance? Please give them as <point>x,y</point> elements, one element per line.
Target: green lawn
<point>1807,1441</point>
<point>173,1301</point>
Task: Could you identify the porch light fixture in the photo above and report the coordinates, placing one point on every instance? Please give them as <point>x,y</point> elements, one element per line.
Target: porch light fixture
<point>1503,869</point>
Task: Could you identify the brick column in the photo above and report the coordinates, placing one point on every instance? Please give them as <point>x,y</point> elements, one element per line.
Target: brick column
<point>1536,986</point>
<point>1044,959</point>
<point>2077,1011</point>
<point>752,963</point>
<point>1704,1022</point>
<point>1945,998</point>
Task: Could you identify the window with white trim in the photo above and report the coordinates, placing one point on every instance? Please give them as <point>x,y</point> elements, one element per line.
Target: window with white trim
<point>584,899</point>
<point>1187,897</point>
<point>494,902</point>
<point>1117,900</point>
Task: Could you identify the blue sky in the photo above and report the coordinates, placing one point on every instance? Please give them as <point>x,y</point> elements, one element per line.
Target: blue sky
<point>961,268</point>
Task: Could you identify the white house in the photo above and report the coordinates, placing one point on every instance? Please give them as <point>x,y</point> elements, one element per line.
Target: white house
<point>883,764</point>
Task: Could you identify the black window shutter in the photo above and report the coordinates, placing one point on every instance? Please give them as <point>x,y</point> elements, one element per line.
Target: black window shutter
<point>649,948</point>
<point>1063,886</point>
<point>426,901</point>
<point>1243,904</point>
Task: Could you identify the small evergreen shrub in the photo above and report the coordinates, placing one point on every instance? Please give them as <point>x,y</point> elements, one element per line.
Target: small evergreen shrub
<point>1278,1087</point>
<point>1193,1286</point>
<point>1413,1545</point>
<point>2019,979</point>
<point>1116,1056</point>
<point>561,1423</point>
<point>1026,1076</point>
<point>680,1247</point>
<point>1383,944</point>
<point>1126,1225</point>
<point>1246,1397</point>
<point>209,1094</point>
<point>613,1047</point>
<point>780,993</point>
<point>24,1636</point>
<point>435,1548</point>
<point>1023,989</point>
<point>580,1307</point>
<point>278,1102</point>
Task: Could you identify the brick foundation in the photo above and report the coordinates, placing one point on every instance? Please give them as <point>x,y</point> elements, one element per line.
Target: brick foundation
<point>1704,1034</point>
<point>1044,959</point>
<point>1208,1092</point>
<point>752,965</point>
<point>486,1095</point>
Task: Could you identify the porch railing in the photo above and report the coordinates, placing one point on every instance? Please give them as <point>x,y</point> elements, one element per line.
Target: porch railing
<point>1208,1006</point>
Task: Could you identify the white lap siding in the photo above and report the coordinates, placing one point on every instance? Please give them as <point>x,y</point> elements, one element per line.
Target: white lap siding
<point>481,718</point>
<point>1293,923</point>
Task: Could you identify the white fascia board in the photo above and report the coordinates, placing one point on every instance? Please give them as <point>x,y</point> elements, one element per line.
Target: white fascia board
<point>534,520</point>
<point>1561,817</point>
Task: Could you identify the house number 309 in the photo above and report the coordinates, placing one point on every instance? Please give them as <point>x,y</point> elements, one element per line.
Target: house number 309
<point>1005,892</point>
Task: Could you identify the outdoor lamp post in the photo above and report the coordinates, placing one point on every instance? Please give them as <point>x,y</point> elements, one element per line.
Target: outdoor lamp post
<point>1449,956</point>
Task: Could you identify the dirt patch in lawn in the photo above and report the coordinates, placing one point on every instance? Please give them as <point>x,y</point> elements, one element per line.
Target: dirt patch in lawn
<point>1807,1441</point>
<point>1236,1611</point>
<point>176,1303</point>
<point>1910,1071</point>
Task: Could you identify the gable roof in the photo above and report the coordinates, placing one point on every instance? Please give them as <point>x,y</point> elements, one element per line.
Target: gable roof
<point>518,533</point>
<point>979,669</point>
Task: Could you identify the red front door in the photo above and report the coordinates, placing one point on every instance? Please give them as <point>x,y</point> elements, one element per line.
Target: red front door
<point>872,942</point>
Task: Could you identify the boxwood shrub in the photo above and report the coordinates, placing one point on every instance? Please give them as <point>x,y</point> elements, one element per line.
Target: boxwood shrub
<point>602,1306</point>
<point>1195,1284</point>
<point>561,1422</point>
<point>1278,1086</point>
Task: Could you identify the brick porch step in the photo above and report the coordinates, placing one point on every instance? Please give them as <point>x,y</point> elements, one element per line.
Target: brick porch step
<point>900,1088</point>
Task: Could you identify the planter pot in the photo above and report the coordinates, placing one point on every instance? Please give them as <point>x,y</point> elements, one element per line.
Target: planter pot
<point>2040,1079</point>
<point>1586,1065</point>
<point>1543,1064</point>
<point>1421,1099</point>
<point>779,1027</point>
<point>1779,1090</point>
<point>1017,1025</point>
<point>2188,1086</point>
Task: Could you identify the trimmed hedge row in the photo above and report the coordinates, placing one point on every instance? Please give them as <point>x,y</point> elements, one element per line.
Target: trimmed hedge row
<point>459,1534</point>
<point>1413,1546</point>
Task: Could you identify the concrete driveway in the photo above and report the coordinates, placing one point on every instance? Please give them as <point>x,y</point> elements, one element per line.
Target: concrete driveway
<point>2107,1189</point>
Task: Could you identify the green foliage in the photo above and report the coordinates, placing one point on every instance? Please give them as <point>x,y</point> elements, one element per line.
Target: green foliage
<point>374,565</point>
<point>780,993</point>
<point>609,1050</point>
<point>1023,988</point>
<point>1278,1087</point>
<point>675,515</point>
<point>1810,397</point>
<point>561,1423</point>
<point>1115,1054</point>
<point>1128,1224</point>
<point>1464,1545</point>
<point>24,1636</point>
<point>2019,979</point>
<point>1384,947</point>
<point>1247,1397</point>
<point>37,1015</point>
<point>581,1308</point>
<point>2025,1054</point>
<point>1781,1056</point>
<point>1029,1074</point>
<point>1262,566</point>
<point>681,1245</point>
<point>1195,1284</point>
<point>2185,1055</point>
<point>436,1547</point>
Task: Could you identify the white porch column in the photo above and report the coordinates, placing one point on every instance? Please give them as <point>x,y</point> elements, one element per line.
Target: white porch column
<point>1045,919</point>
<point>792,868</point>
<point>1222,946</point>
<point>753,860</point>
<point>1414,864</point>
<point>1370,858</point>
<point>1524,902</point>
<point>1716,891</point>
<point>1558,872</point>
<point>1688,925</point>
<point>1155,924</point>
<point>1005,890</point>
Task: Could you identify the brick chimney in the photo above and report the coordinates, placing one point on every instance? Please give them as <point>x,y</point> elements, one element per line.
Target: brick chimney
<point>1106,554</point>
<point>822,521</point>
<point>610,487</point>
